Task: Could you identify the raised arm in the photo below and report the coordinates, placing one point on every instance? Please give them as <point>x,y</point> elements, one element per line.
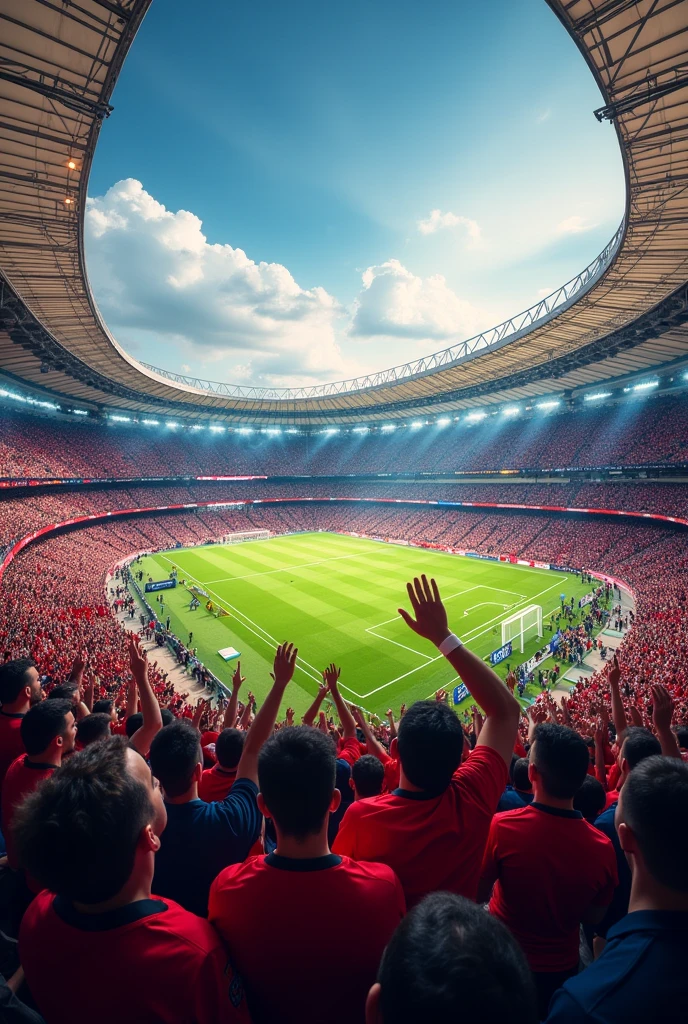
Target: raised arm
<point>264,722</point>
<point>501,708</point>
<point>392,724</point>
<point>312,713</point>
<point>150,709</point>
<point>601,738</point>
<point>331,677</point>
<point>618,714</point>
<point>231,712</point>
<point>374,746</point>
<point>77,676</point>
<point>662,712</point>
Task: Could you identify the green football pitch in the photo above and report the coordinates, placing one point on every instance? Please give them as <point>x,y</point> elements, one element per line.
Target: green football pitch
<point>336,597</point>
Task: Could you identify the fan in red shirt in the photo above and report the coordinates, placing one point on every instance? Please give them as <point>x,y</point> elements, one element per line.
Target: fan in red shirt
<point>274,912</point>
<point>432,829</point>
<point>551,868</point>
<point>216,782</point>
<point>48,731</point>
<point>90,834</point>
<point>20,689</point>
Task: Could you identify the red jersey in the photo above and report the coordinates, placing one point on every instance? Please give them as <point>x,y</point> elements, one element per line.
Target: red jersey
<point>549,866</point>
<point>288,924</point>
<point>11,745</point>
<point>431,842</point>
<point>22,777</point>
<point>153,963</point>
<point>349,750</point>
<point>216,782</point>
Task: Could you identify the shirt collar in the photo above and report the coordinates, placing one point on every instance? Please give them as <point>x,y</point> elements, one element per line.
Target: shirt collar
<point>275,860</point>
<point>39,765</point>
<point>108,920</point>
<point>649,920</point>
<point>12,714</point>
<point>559,812</point>
<point>414,794</point>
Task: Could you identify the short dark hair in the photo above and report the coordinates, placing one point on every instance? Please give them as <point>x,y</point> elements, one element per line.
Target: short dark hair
<point>296,775</point>
<point>430,743</point>
<point>561,759</point>
<point>174,754</point>
<point>229,746</point>
<point>133,723</point>
<point>638,744</point>
<point>368,774</point>
<point>521,778</point>
<point>590,799</point>
<point>654,802</point>
<point>168,717</point>
<point>77,833</point>
<point>42,723</point>
<point>13,678</point>
<point>92,728</point>
<point>65,691</point>
<point>450,961</point>
<point>103,706</point>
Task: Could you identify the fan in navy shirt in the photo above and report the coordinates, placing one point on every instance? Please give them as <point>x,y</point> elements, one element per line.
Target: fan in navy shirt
<point>203,838</point>
<point>640,976</point>
<point>520,793</point>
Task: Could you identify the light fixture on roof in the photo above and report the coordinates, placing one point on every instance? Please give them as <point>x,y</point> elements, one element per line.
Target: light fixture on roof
<point>171,425</point>
<point>475,417</point>
<point>293,430</point>
<point>331,430</point>
<point>444,421</point>
<point>361,430</point>
<point>68,200</point>
<point>80,412</point>
<point>596,396</point>
<point>198,426</point>
<point>417,424</point>
<point>151,423</point>
<point>216,429</point>
<point>121,419</point>
<point>71,164</point>
<point>551,404</point>
<point>390,426</point>
<point>245,430</point>
<point>511,410</point>
<point>645,386</point>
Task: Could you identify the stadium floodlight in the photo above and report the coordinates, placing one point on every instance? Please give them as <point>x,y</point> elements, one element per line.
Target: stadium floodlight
<point>596,396</point>
<point>293,430</point>
<point>475,417</point>
<point>417,424</point>
<point>196,426</point>
<point>552,404</point>
<point>245,430</point>
<point>361,430</point>
<point>685,376</point>
<point>390,426</point>
<point>27,400</point>
<point>272,431</point>
<point>217,429</point>
<point>80,412</point>
<point>331,430</point>
<point>151,423</point>
<point>121,419</point>
<point>511,410</point>
<point>172,425</point>
<point>444,421</point>
<point>645,386</point>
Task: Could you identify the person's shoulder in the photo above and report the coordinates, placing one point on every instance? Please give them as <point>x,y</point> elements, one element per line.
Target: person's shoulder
<point>237,875</point>
<point>368,871</point>
<point>195,933</point>
<point>16,767</point>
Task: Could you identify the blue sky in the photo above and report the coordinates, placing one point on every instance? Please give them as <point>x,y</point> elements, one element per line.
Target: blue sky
<point>311,143</point>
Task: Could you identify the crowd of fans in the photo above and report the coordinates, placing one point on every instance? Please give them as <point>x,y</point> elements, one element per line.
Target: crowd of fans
<point>642,432</point>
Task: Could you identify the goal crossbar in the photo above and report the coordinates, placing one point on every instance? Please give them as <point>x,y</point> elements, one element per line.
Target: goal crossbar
<point>242,535</point>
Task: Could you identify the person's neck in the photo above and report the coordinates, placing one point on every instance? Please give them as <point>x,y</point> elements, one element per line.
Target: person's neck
<point>51,755</point>
<point>540,797</point>
<point>647,894</point>
<point>185,798</point>
<point>307,848</point>
<point>17,707</point>
<point>137,887</point>
<point>405,784</point>
<point>523,792</point>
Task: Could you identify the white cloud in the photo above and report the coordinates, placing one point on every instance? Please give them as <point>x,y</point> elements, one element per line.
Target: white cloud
<point>574,225</point>
<point>438,221</point>
<point>396,303</point>
<point>543,116</point>
<point>154,273</point>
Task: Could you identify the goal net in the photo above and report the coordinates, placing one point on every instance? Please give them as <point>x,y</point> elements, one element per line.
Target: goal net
<point>522,626</point>
<point>242,535</point>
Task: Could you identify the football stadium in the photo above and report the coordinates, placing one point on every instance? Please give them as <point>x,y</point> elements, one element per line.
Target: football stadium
<point>333,595</point>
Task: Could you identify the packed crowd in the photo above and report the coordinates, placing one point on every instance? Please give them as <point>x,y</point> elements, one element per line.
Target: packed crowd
<point>645,432</point>
<point>329,871</point>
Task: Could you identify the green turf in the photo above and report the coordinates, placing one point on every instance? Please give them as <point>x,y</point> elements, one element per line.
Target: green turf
<point>336,597</point>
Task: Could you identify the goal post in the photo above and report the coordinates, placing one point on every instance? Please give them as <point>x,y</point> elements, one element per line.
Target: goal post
<point>522,626</point>
<point>241,535</point>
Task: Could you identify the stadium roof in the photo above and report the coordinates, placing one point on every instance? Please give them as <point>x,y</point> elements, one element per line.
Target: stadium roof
<point>627,312</point>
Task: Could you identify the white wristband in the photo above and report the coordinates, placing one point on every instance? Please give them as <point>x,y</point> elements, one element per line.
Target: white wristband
<point>449,644</point>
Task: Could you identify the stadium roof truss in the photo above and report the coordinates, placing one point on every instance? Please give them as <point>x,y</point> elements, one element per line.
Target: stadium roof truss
<point>626,312</point>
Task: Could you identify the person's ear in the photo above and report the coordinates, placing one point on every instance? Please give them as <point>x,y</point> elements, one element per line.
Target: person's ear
<point>262,806</point>
<point>335,801</point>
<point>352,784</point>
<point>394,748</point>
<point>532,772</point>
<point>198,771</point>
<point>148,840</point>
<point>627,839</point>
<point>373,1014</point>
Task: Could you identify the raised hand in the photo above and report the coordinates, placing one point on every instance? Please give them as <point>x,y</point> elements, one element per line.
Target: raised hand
<point>430,615</point>
<point>601,732</point>
<point>77,671</point>
<point>237,678</point>
<point>285,663</point>
<point>614,672</point>
<point>662,707</point>
<point>635,715</point>
<point>331,677</point>
<point>138,663</point>
<point>290,716</point>
<point>440,696</point>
